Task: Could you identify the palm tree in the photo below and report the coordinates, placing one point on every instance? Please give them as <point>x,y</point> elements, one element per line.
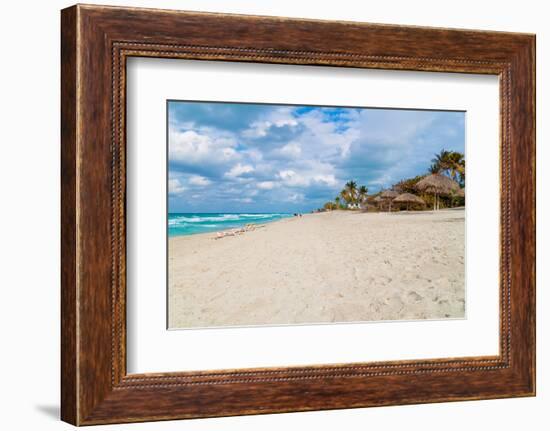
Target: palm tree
<point>362,194</point>
<point>350,190</point>
<point>457,167</point>
<point>451,163</point>
<point>433,169</point>
<point>337,201</point>
<point>344,197</point>
<point>441,160</point>
<point>330,206</point>
<point>408,185</point>
<point>454,164</point>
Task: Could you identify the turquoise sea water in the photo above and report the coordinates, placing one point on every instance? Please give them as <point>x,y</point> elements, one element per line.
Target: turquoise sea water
<point>192,223</point>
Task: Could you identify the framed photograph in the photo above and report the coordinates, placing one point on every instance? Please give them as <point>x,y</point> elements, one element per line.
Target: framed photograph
<point>263,214</point>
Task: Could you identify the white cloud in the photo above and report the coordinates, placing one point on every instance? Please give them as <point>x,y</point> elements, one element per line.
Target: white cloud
<point>307,177</point>
<point>324,138</point>
<point>249,190</point>
<point>288,121</point>
<point>175,187</point>
<point>253,154</point>
<point>197,180</point>
<point>228,153</point>
<point>193,147</point>
<point>266,185</point>
<point>295,198</point>
<point>292,150</point>
<point>293,179</point>
<point>258,129</point>
<point>238,170</point>
<point>277,118</point>
<point>329,180</point>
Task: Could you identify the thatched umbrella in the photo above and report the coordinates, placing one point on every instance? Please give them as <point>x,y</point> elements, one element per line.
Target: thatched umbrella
<point>371,199</point>
<point>437,185</point>
<point>409,198</point>
<point>377,200</point>
<point>389,195</point>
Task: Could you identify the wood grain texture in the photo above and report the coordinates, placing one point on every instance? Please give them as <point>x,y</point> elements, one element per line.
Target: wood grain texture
<point>96,41</point>
<point>69,366</point>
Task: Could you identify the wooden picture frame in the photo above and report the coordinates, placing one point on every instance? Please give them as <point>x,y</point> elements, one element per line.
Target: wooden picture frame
<point>95,43</point>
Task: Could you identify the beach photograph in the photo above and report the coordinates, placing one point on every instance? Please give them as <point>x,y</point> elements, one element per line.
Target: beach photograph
<point>298,214</point>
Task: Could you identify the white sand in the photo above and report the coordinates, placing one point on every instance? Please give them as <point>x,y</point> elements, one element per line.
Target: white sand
<point>341,266</point>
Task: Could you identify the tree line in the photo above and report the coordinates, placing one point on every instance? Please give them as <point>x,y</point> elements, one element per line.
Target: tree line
<point>451,164</point>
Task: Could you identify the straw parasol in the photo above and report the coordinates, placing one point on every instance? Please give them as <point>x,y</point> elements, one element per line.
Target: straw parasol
<point>409,198</point>
<point>388,195</point>
<point>371,199</point>
<point>437,185</point>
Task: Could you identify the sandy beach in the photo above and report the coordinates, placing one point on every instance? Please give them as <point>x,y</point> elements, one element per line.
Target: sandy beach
<point>340,266</point>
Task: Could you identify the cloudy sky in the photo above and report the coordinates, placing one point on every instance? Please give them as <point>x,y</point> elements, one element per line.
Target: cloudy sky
<point>231,157</point>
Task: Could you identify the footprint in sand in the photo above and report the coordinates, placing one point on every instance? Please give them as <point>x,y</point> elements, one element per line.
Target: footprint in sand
<point>415,296</point>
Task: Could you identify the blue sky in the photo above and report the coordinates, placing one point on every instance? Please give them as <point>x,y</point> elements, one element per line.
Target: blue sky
<point>232,157</point>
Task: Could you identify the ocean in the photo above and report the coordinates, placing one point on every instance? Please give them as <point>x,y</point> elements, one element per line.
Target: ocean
<point>192,223</point>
